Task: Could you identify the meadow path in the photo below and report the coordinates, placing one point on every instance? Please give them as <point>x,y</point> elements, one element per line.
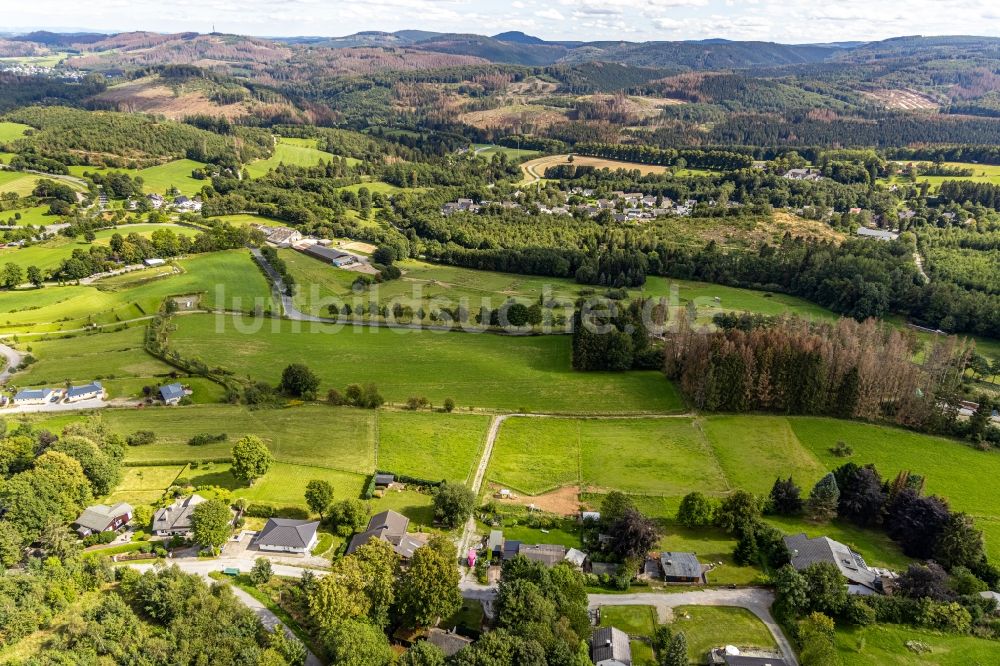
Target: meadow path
<point>477,480</point>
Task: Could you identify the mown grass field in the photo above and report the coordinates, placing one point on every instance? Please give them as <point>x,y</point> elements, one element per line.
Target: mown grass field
<point>17,182</point>
<point>430,445</point>
<point>10,131</point>
<point>158,179</point>
<point>885,644</point>
<point>707,627</point>
<point>480,370</point>
<point>290,152</point>
<point>982,173</point>
<point>633,620</point>
<point>488,150</point>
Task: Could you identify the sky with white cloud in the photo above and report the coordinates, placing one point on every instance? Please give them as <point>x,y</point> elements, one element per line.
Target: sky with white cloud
<point>788,21</point>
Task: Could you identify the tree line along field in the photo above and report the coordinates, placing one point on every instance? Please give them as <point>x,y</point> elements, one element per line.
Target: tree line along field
<point>660,460</point>
<point>157,179</point>
<point>477,370</point>
<point>982,173</point>
<point>226,280</point>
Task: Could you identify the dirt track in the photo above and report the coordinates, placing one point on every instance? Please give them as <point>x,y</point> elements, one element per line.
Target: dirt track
<point>534,170</point>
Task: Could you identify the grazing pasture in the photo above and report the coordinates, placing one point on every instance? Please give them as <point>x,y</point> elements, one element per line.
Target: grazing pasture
<point>479,370</point>
<point>158,179</point>
<point>430,445</point>
<point>290,152</point>
<point>11,131</point>
<point>35,216</point>
<point>885,644</point>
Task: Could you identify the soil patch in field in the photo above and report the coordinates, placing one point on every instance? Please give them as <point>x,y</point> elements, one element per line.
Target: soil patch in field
<point>563,501</point>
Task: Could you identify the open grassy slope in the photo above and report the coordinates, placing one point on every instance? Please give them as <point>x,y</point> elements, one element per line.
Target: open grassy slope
<point>481,370</point>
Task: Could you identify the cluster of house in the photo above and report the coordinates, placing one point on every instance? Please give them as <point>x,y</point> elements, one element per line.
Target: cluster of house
<point>624,206</point>
<point>181,203</point>
<point>43,396</point>
<point>803,174</point>
<point>279,535</point>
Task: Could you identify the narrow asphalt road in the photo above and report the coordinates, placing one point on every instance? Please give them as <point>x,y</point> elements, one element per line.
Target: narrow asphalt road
<point>755,599</point>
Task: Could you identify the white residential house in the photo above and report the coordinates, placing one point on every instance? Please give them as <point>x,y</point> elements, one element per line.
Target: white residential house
<point>85,392</point>
<point>284,535</point>
<point>34,396</point>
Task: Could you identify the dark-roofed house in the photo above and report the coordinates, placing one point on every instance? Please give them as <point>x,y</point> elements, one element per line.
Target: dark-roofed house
<point>176,518</point>
<point>546,553</point>
<point>510,549</point>
<point>495,544</point>
<point>805,551</point>
<point>391,527</point>
<point>285,535</point>
<point>84,392</point>
<point>448,641</point>
<point>610,647</point>
<point>384,480</point>
<point>171,394</point>
<point>680,567</point>
<point>103,518</point>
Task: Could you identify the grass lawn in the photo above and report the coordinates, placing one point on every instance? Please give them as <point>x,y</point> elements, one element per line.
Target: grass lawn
<point>243,219</point>
<point>566,535</point>
<point>511,373</point>
<point>35,216</point>
<point>284,485</point>
<point>19,183</point>
<point>290,152</point>
<point>633,620</point>
<point>885,644</point>
<point>712,546</point>
<point>417,506</point>
<point>294,435</point>
<point>10,131</point>
<point>430,445</point>
<point>706,627</point>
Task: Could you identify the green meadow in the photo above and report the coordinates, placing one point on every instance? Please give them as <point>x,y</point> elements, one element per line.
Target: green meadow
<point>11,131</point>
<point>17,182</point>
<point>476,370</point>
<point>35,216</point>
<point>290,152</point>
<point>886,645</point>
<point>158,179</point>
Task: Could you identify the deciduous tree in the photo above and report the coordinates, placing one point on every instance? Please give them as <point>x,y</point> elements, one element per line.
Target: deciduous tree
<point>251,459</point>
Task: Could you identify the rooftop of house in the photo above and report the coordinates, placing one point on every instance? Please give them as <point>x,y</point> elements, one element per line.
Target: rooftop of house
<point>92,387</point>
<point>170,391</point>
<point>33,394</point>
<point>99,516</point>
<point>448,642</point>
<point>177,516</point>
<point>548,554</point>
<point>680,565</point>
<point>610,644</point>
<point>389,526</point>
<point>288,533</point>
<point>806,551</point>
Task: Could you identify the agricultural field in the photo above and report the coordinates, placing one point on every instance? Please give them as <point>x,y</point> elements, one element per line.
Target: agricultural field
<point>982,173</point>
<point>509,373</point>
<point>18,182</point>
<point>158,179</point>
<point>430,445</point>
<point>488,150</point>
<point>535,169</point>
<point>221,279</point>
<point>245,219</point>
<point>377,186</point>
<point>291,152</point>
<point>11,131</point>
<point>435,285</point>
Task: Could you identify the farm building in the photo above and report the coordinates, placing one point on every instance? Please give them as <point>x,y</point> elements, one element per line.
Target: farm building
<point>510,549</point>
<point>878,234</point>
<point>156,201</point>
<point>176,518</point>
<point>391,527</point>
<point>577,558</point>
<point>171,394</point>
<point>102,518</point>
<point>34,396</point>
<point>85,392</point>
<point>288,536</point>
<point>384,480</point>
<point>153,261</point>
<point>449,642</point>
<point>680,568</point>
<point>861,579</point>
<point>283,236</point>
<point>610,647</point>
<point>330,256</point>
<point>546,553</point>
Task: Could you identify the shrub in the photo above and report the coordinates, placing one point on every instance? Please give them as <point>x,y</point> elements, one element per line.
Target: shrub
<point>207,438</point>
<point>449,404</point>
<point>141,438</point>
<point>415,403</point>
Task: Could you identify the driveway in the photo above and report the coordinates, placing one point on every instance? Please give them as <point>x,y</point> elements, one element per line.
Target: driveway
<point>755,599</point>
<point>93,403</point>
<point>13,360</point>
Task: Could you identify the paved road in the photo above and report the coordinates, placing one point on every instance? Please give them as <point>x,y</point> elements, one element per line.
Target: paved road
<point>13,360</point>
<point>755,599</point>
